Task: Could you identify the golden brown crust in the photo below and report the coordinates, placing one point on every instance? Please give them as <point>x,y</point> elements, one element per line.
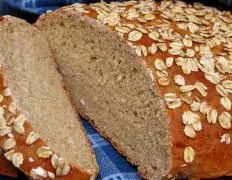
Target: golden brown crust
<point>6,167</point>
<point>193,42</point>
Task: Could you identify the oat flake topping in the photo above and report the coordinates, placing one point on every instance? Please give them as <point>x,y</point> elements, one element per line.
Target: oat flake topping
<point>191,51</point>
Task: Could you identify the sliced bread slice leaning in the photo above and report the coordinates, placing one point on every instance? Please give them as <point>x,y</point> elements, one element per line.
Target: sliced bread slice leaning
<point>40,131</point>
<point>155,78</point>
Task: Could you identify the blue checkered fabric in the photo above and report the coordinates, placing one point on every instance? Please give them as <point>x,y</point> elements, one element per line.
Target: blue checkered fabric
<point>41,6</point>
<point>227,2</point>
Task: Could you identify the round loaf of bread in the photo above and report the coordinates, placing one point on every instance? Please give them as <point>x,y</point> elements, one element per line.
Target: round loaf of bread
<point>153,78</point>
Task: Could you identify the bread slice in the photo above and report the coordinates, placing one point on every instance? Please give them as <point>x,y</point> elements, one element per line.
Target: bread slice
<point>41,133</point>
<point>153,78</point>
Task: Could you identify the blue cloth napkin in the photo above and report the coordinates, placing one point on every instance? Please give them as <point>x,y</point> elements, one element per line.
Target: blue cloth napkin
<point>112,165</point>
<point>41,6</point>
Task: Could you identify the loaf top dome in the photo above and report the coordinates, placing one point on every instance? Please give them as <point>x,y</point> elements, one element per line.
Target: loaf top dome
<point>187,49</point>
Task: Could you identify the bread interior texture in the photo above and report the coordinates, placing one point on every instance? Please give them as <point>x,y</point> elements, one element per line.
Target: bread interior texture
<point>112,89</point>
<point>37,90</point>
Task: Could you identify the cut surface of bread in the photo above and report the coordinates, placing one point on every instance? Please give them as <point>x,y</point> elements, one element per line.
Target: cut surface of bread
<point>153,78</point>
<point>40,97</point>
<point>112,90</point>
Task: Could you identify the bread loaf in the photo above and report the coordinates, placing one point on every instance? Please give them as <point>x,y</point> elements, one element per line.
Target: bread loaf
<point>152,77</point>
<point>40,132</point>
